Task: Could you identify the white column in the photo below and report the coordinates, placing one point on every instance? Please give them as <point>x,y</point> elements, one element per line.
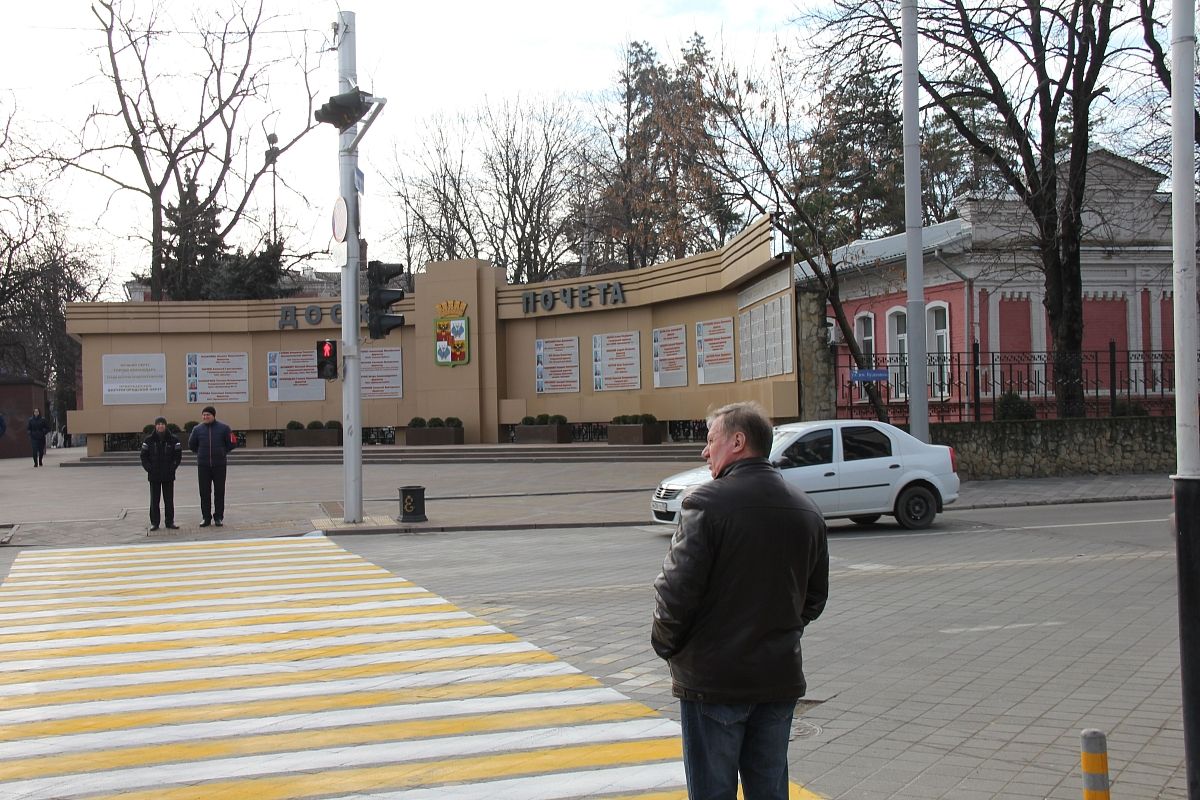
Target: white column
<point>993,342</point>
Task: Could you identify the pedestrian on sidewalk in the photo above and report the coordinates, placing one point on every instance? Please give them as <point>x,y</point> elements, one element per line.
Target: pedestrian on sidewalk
<point>211,441</point>
<point>161,453</point>
<point>38,430</point>
<point>747,570</point>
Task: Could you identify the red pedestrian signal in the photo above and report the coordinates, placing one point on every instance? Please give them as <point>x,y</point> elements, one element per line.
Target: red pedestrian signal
<point>327,360</point>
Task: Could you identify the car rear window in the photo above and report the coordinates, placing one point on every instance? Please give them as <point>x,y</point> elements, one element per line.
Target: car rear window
<point>862,442</point>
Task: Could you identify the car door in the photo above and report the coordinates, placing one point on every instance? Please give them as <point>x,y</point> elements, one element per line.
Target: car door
<point>870,466</point>
<point>807,462</point>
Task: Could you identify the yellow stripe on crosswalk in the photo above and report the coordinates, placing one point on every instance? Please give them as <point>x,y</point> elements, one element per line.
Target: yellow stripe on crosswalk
<point>302,705</point>
<point>213,641</point>
<point>426,773</point>
<point>299,654</point>
<point>151,689</point>
<point>125,757</point>
<point>230,584</point>
<point>268,617</point>
<point>265,573</point>
<point>212,595</point>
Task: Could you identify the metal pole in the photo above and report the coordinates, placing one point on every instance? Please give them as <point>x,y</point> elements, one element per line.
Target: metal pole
<point>1187,426</point>
<point>351,388</point>
<point>918,396</point>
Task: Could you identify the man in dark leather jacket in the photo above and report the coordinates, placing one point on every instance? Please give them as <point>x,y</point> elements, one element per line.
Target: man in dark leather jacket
<point>747,570</point>
<point>161,454</point>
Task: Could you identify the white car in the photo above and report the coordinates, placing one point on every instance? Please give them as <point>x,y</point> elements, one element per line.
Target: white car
<point>853,468</point>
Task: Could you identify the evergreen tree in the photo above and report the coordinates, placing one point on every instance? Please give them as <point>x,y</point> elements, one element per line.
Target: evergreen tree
<point>193,250</point>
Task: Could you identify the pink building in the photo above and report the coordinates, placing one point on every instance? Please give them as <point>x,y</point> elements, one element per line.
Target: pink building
<point>983,285</point>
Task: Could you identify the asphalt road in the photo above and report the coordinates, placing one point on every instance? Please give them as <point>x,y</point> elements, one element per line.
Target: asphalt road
<point>959,662</point>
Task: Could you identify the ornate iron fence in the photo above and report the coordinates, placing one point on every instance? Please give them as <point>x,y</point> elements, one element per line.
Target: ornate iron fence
<point>981,385</point>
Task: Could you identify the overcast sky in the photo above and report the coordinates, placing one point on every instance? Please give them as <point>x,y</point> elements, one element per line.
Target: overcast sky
<point>423,57</point>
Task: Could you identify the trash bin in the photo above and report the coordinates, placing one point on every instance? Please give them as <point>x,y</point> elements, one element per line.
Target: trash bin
<point>412,504</point>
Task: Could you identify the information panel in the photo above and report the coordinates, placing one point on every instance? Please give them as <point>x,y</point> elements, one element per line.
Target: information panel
<point>616,361</point>
<point>557,368</point>
<point>218,378</point>
<point>714,351</point>
<point>669,351</point>
<point>292,376</point>
<point>134,379</point>
<point>381,373</point>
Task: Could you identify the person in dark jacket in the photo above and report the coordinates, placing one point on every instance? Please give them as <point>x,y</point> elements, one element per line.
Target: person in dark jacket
<point>161,454</point>
<point>211,441</point>
<point>38,430</point>
<point>747,571</point>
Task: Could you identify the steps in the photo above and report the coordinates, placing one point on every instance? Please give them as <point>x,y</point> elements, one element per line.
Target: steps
<point>582,452</point>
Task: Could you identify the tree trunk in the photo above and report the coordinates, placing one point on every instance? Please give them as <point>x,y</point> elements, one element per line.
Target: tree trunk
<point>156,247</point>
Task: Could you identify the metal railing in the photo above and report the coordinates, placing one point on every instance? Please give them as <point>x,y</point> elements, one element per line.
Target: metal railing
<point>981,385</point>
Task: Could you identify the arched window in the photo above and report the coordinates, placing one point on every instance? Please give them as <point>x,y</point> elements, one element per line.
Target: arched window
<point>937,338</point>
<point>897,333</point>
<point>864,331</point>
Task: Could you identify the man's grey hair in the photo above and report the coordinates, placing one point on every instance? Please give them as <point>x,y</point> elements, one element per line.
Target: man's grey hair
<point>751,419</point>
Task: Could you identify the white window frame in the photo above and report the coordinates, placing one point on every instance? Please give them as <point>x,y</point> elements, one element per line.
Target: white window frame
<point>897,353</point>
<point>938,347</point>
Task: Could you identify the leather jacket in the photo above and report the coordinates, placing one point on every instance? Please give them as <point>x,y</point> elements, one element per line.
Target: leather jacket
<point>747,570</point>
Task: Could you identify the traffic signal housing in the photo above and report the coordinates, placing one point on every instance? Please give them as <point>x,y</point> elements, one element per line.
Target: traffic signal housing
<point>344,110</point>
<point>379,298</point>
<point>327,359</point>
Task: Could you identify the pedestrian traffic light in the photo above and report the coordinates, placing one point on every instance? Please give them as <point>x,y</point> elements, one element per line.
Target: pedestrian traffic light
<point>344,110</point>
<point>327,366</point>
<point>379,298</point>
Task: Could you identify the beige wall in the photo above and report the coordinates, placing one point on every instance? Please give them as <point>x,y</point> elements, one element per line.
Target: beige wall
<point>495,387</point>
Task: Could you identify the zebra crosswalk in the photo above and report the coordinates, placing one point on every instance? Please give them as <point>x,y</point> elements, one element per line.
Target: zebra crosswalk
<point>291,668</point>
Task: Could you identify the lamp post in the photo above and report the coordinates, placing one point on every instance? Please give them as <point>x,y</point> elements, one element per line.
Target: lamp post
<point>272,157</point>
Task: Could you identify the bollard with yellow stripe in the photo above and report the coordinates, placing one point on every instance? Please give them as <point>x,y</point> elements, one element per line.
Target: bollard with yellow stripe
<point>1094,762</point>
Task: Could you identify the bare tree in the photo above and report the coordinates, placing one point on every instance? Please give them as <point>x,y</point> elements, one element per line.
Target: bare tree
<point>1041,70</point>
<point>172,121</point>
<point>1155,94</point>
<point>764,157</point>
<point>495,184</point>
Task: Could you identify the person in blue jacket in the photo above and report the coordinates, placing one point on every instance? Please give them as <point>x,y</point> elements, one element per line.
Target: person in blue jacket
<point>211,441</point>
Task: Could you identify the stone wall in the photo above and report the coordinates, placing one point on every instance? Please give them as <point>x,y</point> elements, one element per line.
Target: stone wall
<point>1050,447</point>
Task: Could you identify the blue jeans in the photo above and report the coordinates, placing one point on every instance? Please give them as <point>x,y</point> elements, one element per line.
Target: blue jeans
<point>721,740</point>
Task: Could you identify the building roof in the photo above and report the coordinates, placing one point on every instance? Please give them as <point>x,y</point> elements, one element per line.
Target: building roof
<point>952,234</point>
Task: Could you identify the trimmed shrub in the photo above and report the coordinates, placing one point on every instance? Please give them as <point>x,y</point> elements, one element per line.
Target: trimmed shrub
<point>187,426</point>
<point>437,422</point>
<point>417,422</point>
<point>527,420</point>
<point>333,424</point>
<point>293,425</point>
<point>543,419</point>
<point>453,422</point>
<point>316,425</point>
<point>148,429</point>
<point>1012,406</point>
<point>648,419</point>
<point>557,419</point>
<point>173,428</point>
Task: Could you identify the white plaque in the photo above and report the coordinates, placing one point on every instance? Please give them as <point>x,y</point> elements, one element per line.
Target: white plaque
<point>134,379</point>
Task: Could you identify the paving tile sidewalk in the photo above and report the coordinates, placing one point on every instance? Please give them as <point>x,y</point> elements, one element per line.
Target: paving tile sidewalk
<point>52,507</point>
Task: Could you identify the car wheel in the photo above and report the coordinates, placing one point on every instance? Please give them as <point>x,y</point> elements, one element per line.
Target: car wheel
<point>916,507</point>
<point>865,519</point>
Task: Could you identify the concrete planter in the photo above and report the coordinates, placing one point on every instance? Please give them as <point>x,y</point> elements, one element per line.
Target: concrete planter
<point>324,437</point>
<point>543,434</point>
<point>432,436</point>
<point>642,433</point>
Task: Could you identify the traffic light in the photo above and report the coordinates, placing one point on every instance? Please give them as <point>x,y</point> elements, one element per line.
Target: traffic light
<point>344,110</point>
<point>327,362</point>
<point>379,322</point>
